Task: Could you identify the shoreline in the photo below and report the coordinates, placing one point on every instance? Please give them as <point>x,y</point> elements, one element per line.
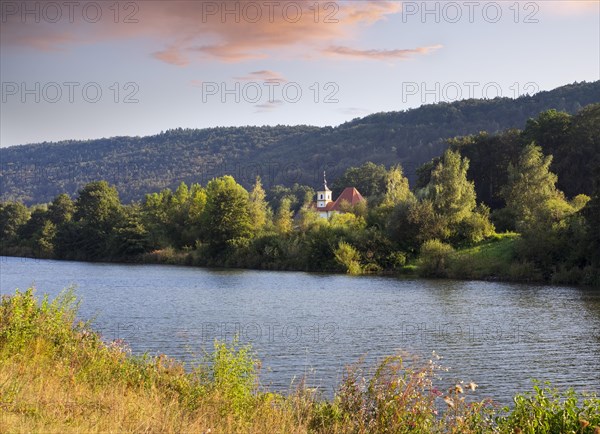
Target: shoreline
<point>412,272</point>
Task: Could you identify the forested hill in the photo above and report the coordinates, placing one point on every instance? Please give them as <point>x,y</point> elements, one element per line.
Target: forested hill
<point>36,173</point>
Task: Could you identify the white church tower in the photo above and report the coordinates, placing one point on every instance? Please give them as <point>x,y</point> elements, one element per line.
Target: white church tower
<point>323,197</point>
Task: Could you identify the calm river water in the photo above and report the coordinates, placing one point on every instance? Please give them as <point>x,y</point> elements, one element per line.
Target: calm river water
<point>497,334</point>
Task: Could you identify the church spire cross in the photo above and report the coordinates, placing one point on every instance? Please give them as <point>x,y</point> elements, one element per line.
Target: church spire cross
<point>325,188</point>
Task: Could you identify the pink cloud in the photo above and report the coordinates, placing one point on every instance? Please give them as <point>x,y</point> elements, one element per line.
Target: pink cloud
<point>264,75</point>
<point>570,7</point>
<point>172,56</point>
<point>401,54</point>
<point>186,31</point>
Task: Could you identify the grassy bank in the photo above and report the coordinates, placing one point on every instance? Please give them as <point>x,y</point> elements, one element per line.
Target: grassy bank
<point>495,259</point>
<point>57,375</point>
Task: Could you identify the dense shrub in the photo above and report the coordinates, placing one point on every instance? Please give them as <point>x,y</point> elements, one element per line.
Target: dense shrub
<point>435,258</point>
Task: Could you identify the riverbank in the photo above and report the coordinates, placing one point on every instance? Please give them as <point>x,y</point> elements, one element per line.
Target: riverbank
<point>57,375</point>
<point>494,259</point>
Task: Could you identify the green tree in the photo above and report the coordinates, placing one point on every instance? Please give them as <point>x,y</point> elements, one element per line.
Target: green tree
<point>489,157</point>
<point>591,213</point>
<point>98,205</point>
<point>435,258</point>
<point>89,234</point>
<point>397,192</point>
<point>13,216</point>
<point>413,223</point>
<point>226,219</point>
<point>61,209</point>
<point>130,236</point>
<point>298,195</point>
<point>370,179</point>
<point>284,221</point>
<point>44,240</point>
<point>156,218</point>
<point>259,209</point>
<point>35,223</point>
<point>192,231</point>
<point>177,210</point>
<point>548,129</point>
<point>308,218</point>
<point>452,195</point>
<point>531,195</point>
<point>397,188</point>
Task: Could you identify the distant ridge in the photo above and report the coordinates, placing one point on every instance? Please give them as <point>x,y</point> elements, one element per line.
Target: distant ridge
<point>36,173</point>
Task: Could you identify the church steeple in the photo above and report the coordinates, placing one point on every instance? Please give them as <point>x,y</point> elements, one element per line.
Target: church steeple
<point>325,188</point>
<point>324,194</point>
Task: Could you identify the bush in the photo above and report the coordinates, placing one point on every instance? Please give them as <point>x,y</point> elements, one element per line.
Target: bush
<point>567,275</point>
<point>476,227</point>
<point>435,257</point>
<point>524,271</point>
<point>233,374</point>
<point>348,257</point>
<point>397,260</point>
<point>546,410</point>
<point>22,320</point>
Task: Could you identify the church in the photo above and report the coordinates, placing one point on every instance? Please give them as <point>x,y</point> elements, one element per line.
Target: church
<point>326,206</point>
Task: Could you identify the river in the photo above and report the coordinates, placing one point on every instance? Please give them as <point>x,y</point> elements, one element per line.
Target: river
<point>498,335</point>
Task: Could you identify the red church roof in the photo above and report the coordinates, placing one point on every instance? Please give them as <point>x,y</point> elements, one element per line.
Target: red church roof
<point>350,195</point>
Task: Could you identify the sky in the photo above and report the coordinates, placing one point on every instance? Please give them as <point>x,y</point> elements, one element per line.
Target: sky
<point>85,70</point>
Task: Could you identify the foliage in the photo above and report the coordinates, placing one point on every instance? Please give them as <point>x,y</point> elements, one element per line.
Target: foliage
<point>547,410</point>
<point>491,258</point>
<point>58,375</point>
<point>489,157</point>
<point>370,179</point>
<point>12,216</point>
<point>477,226</point>
<point>259,209</point>
<point>435,258</point>
<point>224,225</point>
<point>397,189</point>
<point>227,216</point>
<point>284,222</point>
<point>348,257</point>
<point>531,192</point>
<point>574,141</point>
<point>233,373</point>
<point>299,196</point>
<point>412,224</point>
<point>452,195</point>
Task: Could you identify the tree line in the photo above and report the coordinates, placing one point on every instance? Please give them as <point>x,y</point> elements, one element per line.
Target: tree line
<point>554,236</point>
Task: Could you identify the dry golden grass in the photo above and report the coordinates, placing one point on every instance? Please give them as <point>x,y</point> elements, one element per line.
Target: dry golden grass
<point>37,397</point>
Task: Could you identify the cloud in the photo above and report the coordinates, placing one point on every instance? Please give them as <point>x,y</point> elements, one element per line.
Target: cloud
<point>264,75</point>
<point>182,32</point>
<point>172,56</point>
<point>570,7</point>
<point>268,106</point>
<point>401,54</point>
<point>353,111</point>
